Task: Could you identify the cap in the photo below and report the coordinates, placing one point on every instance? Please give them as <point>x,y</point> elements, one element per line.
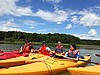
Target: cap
<point>43,42</point>
<point>59,42</point>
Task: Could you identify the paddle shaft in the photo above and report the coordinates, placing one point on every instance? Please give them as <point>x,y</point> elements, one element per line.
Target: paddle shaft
<point>61,57</point>
<point>88,61</point>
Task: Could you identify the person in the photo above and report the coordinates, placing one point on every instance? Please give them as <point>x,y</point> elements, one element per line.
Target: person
<point>59,48</point>
<point>73,52</point>
<point>27,48</point>
<point>44,49</point>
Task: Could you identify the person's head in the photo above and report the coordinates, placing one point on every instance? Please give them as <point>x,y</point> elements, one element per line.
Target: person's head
<point>59,43</point>
<point>43,43</point>
<point>73,47</point>
<point>26,41</point>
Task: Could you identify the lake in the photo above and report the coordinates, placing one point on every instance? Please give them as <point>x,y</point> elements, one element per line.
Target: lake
<point>83,51</point>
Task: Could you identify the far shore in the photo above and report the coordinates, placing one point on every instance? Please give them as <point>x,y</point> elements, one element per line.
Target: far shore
<point>53,44</point>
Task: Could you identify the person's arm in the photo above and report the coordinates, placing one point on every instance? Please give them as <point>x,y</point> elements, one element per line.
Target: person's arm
<point>48,49</point>
<point>21,49</point>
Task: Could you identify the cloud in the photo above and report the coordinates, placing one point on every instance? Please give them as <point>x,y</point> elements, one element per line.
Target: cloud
<point>92,32</point>
<point>22,11</point>
<point>53,1</point>
<point>90,19</point>
<point>69,26</point>
<point>9,26</point>
<point>56,16</point>
<point>9,7</point>
<point>75,19</point>
<point>59,23</point>
<point>30,23</point>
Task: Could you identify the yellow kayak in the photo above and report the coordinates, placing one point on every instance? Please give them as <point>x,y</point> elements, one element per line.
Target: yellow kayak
<point>19,60</point>
<point>90,70</point>
<point>44,66</point>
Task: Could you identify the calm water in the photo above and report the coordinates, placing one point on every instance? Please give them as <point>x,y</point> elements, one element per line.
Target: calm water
<point>83,51</point>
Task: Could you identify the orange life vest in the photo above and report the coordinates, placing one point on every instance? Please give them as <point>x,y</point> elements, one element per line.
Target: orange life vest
<point>26,48</point>
<point>43,50</point>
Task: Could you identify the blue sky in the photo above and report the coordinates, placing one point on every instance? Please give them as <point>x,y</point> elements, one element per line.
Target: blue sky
<point>80,18</point>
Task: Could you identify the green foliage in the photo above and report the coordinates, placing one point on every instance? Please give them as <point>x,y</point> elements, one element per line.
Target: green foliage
<point>14,36</point>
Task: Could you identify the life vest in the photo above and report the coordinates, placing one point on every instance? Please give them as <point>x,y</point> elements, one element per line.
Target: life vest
<point>59,49</point>
<point>72,54</point>
<point>43,50</point>
<point>26,48</point>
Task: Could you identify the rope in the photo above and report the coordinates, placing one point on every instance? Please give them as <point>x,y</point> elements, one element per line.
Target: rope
<point>48,66</point>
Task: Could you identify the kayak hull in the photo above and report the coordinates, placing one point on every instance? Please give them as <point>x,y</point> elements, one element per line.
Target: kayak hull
<point>19,60</point>
<point>90,70</point>
<point>46,66</point>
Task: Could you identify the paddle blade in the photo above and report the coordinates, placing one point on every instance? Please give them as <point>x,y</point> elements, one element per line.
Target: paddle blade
<point>97,55</point>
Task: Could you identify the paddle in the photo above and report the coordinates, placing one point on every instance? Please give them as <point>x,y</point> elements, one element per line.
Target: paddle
<point>97,55</point>
<point>89,62</point>
<point>62,57</point>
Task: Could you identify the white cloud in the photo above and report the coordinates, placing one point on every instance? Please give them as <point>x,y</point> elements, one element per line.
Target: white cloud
<point>9,26</point>
<point>74,19</point>
<point>89,19</point>
<point>92,32</point>
<point>9,7</point>
<point>53,1</point>
<point>56,16</point>
<point>30,23</point>
<point>23,11</point>
<point>59,23</point>
<point>86,36</point>
<point>69,26</point>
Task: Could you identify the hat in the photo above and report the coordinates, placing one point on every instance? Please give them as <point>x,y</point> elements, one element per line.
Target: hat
<point>59,42</point>
<point>43,42</point>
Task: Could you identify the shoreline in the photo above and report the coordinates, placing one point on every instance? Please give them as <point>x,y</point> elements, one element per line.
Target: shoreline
<point>54,44</point>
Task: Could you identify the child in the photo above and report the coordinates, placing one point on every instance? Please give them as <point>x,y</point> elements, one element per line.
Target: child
<point>73,53</point>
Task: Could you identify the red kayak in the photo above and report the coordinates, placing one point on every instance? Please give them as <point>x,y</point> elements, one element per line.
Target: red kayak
<point>11,54</point>
<point>97,55</point>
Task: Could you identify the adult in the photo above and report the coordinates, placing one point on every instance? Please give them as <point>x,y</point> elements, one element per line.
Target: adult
<point>73,52</point>
<point>44,49</point>
<point>27,48</point>
<point>59,48</point>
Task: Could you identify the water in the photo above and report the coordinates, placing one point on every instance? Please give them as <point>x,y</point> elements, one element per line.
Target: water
<point>83,51</point>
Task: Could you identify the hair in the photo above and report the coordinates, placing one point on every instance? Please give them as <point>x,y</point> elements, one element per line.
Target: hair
<point>74,46</point>
<point>43,42</point>
<point>26,41</point>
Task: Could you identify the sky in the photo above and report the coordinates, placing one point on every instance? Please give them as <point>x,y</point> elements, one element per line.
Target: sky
<point>80,18</point>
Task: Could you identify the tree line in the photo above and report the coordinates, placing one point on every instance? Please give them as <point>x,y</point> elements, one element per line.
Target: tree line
<point>14,36</point>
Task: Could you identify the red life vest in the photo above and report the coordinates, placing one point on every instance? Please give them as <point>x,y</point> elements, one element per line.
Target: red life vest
<point>43,50</point>
<point>26,48</point>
